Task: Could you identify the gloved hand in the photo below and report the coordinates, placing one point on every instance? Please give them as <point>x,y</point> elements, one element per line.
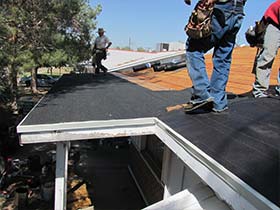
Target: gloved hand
<point>188,2</point>
<point>210,2</point>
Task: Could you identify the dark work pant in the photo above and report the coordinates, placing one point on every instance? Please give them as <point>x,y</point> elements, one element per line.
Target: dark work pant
<point>100,55</point>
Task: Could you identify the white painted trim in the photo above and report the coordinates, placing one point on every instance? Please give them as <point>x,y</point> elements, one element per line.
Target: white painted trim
<point>49,137</point>
<point>165,165</point>
<point>166,193</point>
<point>139,142</point>
<point>229,187</point>
<point>86,130</point>
<point>178,201</point>
<point>20,124</point>
<point>174,181</point>
<point>57,127</point>
<point>62,150</point>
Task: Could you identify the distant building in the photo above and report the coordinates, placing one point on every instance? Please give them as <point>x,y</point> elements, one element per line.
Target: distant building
<point>162,47</point>
<point>170,46</point>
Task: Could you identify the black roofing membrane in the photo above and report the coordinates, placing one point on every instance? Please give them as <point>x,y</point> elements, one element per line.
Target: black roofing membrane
<point>245,139</point>
<point>85,97</point>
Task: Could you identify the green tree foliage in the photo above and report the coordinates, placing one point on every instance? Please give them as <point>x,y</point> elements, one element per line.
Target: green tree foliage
<point>42,33</point>
<point>126,48</point>
<point>141,49</point>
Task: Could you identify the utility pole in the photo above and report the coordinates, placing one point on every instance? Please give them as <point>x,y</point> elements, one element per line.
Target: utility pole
<point>129,43</point>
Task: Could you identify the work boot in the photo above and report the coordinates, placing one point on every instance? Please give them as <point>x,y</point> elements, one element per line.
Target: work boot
<point>205,105</point>
<point>277,89</point>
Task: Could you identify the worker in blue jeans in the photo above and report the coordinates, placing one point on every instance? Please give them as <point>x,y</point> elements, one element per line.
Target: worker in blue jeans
<point>226,21</point>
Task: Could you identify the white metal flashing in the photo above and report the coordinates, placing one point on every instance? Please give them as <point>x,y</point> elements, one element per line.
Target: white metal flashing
<point>145,61</point>
<point>178,201</point>
<point>229,187</point>
<point>46,133</point>
<point>34,107</point>
<point>67,126</point>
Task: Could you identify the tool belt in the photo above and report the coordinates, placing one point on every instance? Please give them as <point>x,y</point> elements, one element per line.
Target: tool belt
<point>199,25</point>
<point>100,53</point>
<point>255,34</point>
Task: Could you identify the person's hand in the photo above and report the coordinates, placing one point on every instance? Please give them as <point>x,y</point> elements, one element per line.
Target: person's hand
<point>188,2</point>
<point>210,2</point>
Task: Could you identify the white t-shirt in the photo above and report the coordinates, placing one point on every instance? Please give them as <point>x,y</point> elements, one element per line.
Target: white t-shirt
<point>101,42</point>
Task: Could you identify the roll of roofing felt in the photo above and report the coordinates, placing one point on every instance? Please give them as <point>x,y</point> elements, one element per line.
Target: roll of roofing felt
<point>159,67</point>
<point>142,67</point>
<point>171,67</point>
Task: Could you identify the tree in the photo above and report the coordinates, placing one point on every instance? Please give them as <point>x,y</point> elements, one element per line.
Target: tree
<point>61,30</point>
<point>42,33</point>
<point>10,40</point>
<point>126,48</point>
<point>141,49</point>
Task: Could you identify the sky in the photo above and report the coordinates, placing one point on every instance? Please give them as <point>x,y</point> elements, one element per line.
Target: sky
<point>145,23</point>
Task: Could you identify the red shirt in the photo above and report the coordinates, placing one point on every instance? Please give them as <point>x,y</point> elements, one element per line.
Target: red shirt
<point>273,12</point>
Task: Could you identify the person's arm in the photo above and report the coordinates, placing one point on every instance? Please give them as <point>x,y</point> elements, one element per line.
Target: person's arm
<point>108,45</point>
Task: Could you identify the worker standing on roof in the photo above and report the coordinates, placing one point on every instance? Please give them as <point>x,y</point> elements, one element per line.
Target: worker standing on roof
<point>101,45</point>
<point>226,21</point>
<point>268,52</point>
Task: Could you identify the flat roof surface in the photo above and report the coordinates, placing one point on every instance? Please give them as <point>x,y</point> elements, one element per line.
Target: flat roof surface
<point>85,97</point>
<point>245,139</point>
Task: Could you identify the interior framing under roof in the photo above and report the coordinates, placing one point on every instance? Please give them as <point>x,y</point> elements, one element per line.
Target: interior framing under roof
<point>229,187</point>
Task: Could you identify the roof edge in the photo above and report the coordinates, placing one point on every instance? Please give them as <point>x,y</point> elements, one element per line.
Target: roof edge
<point>228,186</point>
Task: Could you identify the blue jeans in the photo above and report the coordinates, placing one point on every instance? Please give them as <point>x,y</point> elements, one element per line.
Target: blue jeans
<point>226,22</point>
<point>265,60</point>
